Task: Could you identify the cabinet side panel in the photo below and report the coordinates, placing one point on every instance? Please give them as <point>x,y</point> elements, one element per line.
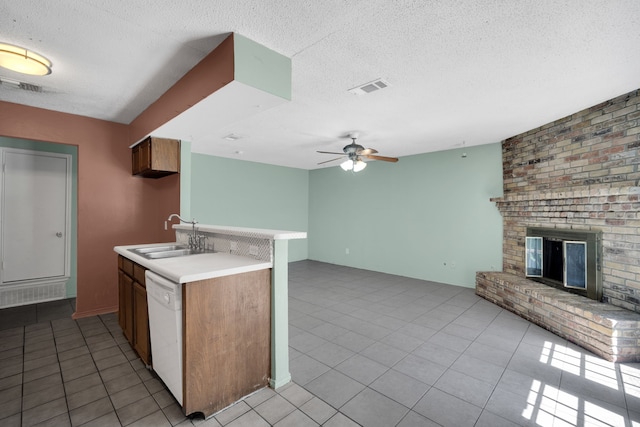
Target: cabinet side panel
<point>226,339</point>
<point>165,155</point>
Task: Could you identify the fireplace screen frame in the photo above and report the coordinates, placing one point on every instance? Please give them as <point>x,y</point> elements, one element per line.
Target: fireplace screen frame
<point>590,242</point>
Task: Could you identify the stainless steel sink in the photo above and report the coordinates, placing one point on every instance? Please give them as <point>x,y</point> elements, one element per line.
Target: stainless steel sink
<point>158,249</point>
<point>168,254</point>
<point>168,251</point>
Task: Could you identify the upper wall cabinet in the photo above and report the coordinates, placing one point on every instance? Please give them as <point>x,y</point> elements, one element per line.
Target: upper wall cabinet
<point>156,157</point>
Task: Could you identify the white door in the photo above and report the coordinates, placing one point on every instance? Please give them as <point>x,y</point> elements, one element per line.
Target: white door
<point>35,215</point>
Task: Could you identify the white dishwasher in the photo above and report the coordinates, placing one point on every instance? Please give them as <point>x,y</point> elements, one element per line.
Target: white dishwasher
<point>164,298</point>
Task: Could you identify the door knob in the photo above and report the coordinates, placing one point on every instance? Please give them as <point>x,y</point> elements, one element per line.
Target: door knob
<point>59,234</point>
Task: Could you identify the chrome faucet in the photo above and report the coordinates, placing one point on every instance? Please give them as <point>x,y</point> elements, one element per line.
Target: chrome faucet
<point>171,217</point>
<point>196,241</point>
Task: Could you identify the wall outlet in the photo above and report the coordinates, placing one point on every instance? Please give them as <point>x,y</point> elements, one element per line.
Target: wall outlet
<point>346,251</point>
<point>233,246</point>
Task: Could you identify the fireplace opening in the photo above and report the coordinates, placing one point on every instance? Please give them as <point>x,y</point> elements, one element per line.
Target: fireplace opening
<point>565,259</point>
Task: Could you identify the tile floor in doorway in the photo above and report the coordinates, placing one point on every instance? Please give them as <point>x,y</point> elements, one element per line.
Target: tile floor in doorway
<point>366,349</point>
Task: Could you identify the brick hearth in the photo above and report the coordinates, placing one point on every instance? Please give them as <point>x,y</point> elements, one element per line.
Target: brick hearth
<point>608,331</point>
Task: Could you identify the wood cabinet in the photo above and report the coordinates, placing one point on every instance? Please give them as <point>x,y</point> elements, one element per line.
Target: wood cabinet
<point>133,315</point>
<point>226,339</point>
<point>226,334</point>
<point>156,157</point>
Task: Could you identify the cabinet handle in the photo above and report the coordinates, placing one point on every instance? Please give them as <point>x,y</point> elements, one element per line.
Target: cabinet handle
<point>59,234</point>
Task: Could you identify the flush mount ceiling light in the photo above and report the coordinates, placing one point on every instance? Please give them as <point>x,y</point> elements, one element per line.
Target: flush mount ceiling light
<point>23,61</point>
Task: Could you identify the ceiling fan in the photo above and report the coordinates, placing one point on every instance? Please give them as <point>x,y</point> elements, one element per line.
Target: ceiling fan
<point>355,153</point>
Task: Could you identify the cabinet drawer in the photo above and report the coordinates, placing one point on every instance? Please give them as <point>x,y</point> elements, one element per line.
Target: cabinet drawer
<point>138,274</point>
<point>127,266</point>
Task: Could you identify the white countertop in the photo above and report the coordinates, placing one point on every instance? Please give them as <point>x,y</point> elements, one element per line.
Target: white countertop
<point>246,232</point>
<point>191,268</point>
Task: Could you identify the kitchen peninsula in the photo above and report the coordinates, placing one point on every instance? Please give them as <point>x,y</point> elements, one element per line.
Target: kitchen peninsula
<point>234,302</point>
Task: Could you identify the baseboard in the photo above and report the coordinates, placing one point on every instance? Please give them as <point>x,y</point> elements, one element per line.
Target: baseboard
<point>95,312</point>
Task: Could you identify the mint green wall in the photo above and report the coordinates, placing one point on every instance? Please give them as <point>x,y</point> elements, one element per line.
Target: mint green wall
<point>427,216</point>
<point>63,149</point>
<point>246,194</point>
<point>261,67</point>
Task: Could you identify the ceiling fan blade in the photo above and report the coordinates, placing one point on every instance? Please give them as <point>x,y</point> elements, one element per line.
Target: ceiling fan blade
<point>368,151</point>
<point>383,158</point>
<point>329,152</point>
<point>327,161</point>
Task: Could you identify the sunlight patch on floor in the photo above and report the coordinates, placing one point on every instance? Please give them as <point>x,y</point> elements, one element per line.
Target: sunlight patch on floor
<point>548,405</point>
<point>631,380</point>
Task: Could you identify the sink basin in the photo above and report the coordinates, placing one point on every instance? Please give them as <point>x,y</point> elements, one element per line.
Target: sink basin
<point>168,254</point>
<point>158,249</point>
<point>168,251</point>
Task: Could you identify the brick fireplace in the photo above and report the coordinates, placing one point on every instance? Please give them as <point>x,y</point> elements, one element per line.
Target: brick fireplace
<point>578,173</point>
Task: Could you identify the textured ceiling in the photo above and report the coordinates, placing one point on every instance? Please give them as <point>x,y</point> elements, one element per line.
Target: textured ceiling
<point>472,72</point>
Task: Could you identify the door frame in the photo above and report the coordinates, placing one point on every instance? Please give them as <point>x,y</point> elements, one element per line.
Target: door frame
<point>68,206</point>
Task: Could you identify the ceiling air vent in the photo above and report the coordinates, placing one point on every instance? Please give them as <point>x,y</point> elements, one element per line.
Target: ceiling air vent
<point>30,87</point>
<point>20,85</point>
<point>369,87</point>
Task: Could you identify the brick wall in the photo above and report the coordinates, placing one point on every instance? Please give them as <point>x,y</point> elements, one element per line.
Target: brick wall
<point>580,172</point>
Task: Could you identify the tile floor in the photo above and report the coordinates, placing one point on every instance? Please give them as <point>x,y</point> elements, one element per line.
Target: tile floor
<point>366,349</point>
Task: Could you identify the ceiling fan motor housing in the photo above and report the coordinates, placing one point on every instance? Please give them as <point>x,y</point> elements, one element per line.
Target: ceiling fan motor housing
<point>352,150</point>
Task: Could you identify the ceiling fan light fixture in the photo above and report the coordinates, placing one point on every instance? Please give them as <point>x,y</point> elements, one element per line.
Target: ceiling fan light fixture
<point>23,61</point>
<point>359,165</point>
<point>347,165</point>
<point>355,166</point>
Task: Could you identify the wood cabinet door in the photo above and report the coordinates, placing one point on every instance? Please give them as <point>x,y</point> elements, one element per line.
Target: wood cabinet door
<point>135,160</point>
<point>144,155</point>
<point>125,310</point>
<point>141,157</point>
<point>141,339</point>
<point>122,314</point>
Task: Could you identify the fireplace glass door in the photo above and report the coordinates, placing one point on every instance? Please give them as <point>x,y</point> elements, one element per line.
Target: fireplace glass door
<point>534,256</point>
<point>575,264</point>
